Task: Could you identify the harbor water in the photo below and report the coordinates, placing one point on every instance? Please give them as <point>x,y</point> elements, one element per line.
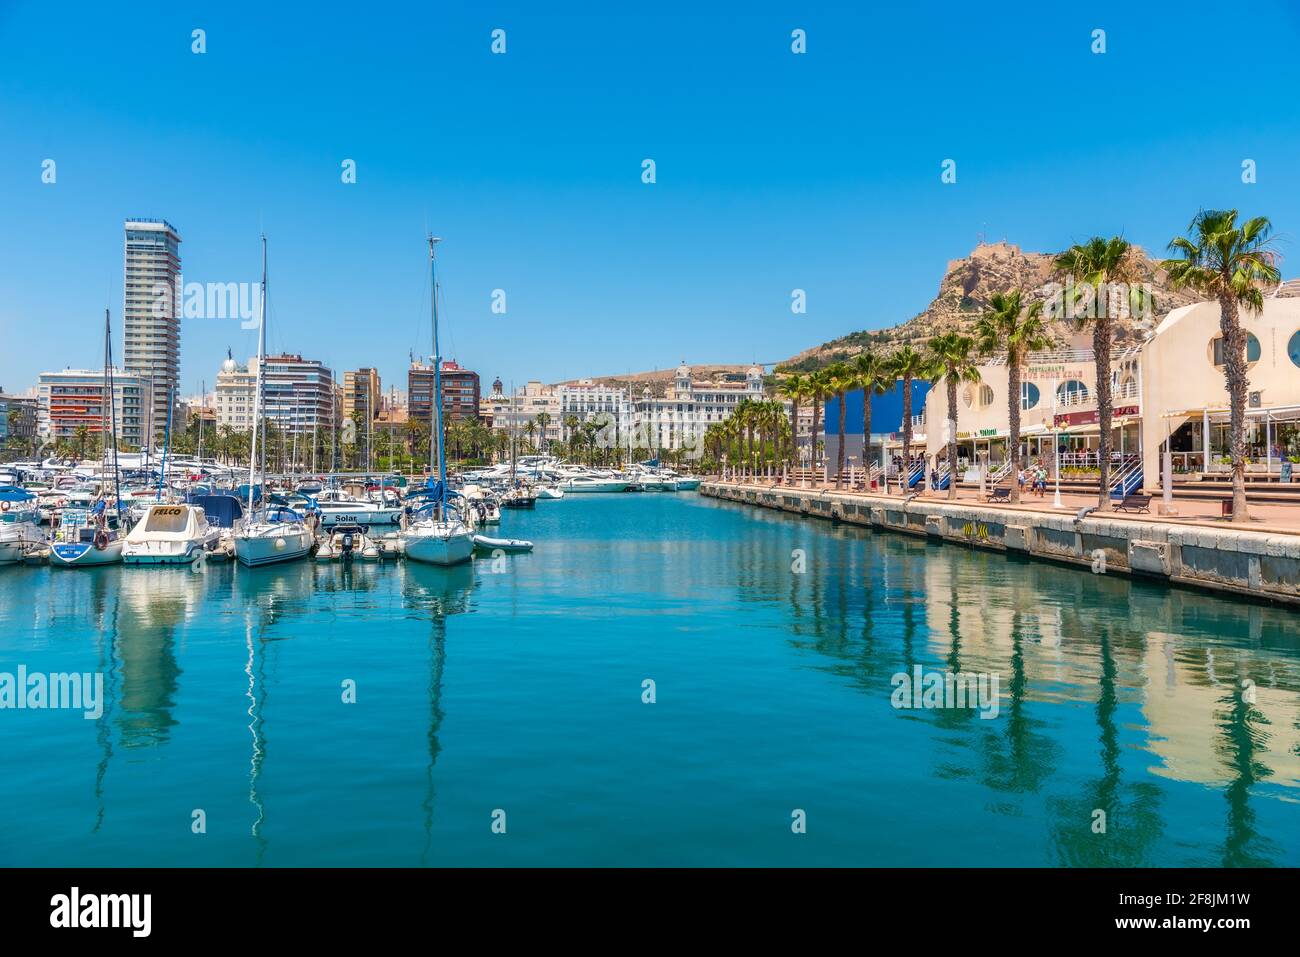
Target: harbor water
<point>664,680</point>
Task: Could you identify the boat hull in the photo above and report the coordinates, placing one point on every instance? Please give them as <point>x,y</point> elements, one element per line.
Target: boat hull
<point>168,553</point>
<point>261,550</point>
<point>440,549</point>
<point>586,488</point>
<point>85,554</point>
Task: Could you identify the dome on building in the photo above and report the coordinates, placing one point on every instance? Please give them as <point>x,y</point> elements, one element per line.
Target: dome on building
<point>229,365</point>
<point>755,372</point>
<point>683,370</point>
<point>497,386</point>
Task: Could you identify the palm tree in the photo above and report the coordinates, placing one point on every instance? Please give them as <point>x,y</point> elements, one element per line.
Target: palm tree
<point>953,359</point>
<point>871,375</point>
<point>819,388</point>
<point>841,381</point>
<point>795,388</point>
<point>1102,264</point>
<point>1227,262</point>
<point>1018,328</point>
<point>543,420</point>
<point>908,364</point>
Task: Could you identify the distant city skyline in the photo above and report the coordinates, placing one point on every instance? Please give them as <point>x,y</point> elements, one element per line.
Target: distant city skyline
<point>775,171</point>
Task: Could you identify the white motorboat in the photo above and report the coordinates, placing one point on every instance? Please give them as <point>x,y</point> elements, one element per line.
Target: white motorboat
<point>170,535</point>
<point>336,507</point>
<point>548,492</point>
<point>589,483</point>
<point>484,506</point>
<point>346,542</point>
<point>20,524</point>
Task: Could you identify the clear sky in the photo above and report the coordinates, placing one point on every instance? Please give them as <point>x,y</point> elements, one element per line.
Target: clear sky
<point>775,171</point>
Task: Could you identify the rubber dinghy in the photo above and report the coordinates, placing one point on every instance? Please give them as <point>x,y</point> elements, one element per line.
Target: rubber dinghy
<point>504,544</point>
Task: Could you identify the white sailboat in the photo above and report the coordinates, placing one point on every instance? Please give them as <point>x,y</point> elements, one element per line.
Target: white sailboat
<point>437,534</point>
<point>270,534</point>
<point>90,536</point>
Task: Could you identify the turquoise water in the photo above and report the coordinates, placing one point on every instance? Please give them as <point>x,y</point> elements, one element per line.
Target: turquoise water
<point>519,688</point>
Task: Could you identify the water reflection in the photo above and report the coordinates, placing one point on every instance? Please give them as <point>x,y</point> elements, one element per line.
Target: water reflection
<point>1062,640</point>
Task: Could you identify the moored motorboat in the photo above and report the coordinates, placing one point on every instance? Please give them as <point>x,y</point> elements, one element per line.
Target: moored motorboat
<point>20,524</point>
<point>85,538</point>
<point>170,535</point>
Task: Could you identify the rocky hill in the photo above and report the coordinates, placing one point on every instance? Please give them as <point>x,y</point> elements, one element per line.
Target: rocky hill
<point>964,293</point>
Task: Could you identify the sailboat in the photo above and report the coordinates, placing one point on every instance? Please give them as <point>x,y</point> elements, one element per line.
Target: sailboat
<point>437,534</point>
<point>20,524</point>
<point>271,533</point>
<point>90,536</point>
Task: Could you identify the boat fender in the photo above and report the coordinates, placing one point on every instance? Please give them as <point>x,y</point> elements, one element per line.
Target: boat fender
<point>4,506</point>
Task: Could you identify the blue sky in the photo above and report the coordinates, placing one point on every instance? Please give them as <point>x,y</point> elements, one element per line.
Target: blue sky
<point>775,171</point>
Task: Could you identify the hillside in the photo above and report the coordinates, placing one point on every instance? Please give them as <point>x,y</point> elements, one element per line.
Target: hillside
<point>964,292</point>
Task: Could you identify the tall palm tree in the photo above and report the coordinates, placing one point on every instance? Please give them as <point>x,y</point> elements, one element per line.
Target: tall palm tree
<point>1105,265</point>
<point>543,420</point>
<point>819,389</point>
<point>907,364</point>
<point>953,359</point>
<point>794,387</point>
<point>871,375</point>
<point>841,381</point>
<point>1228,262</point>
<point>1018,328</point>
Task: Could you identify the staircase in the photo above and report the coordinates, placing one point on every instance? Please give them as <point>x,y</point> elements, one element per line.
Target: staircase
<point>1127,477</point>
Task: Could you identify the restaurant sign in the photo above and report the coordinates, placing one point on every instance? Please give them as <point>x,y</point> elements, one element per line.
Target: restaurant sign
<point>1067,419</point>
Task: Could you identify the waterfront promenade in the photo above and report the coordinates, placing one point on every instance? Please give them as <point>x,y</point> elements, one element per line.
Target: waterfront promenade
<point>1195,547</point>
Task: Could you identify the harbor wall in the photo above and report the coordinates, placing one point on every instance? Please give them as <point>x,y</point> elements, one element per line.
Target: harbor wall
<point>1237,561</point>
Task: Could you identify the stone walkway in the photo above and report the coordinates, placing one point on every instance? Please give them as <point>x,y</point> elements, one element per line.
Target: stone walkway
<point>1270,518</point>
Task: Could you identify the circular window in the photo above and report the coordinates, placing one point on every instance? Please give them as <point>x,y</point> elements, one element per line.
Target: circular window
<point>1029,395</point>
<point>1293,348</point>
<point>1252,349</point>
<point>1071,392</point>
<point>986,395</point>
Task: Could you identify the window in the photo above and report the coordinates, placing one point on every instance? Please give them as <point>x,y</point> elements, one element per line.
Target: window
<point>1029,395</point>
<point>986,395</point>
<point>1252,349</point>
<point>1293,348</point>
<point>1072,392</point>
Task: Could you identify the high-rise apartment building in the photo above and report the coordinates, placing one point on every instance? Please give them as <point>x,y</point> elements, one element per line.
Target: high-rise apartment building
<point>362,393</point>
<point>460,392</point>
<point>151,313</point>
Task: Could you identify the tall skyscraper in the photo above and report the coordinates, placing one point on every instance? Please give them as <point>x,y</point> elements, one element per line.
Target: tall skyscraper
<point>151,314</point>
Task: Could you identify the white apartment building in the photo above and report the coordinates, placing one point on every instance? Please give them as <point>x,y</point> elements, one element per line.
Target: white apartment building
<point>586,399</point>
<point>679,419</point>
<point>73,398</point>
<point>298,394</point>
<point>514,413</point>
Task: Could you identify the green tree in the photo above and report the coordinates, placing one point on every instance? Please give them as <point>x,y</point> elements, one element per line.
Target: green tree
<point>1229,262</point>
<point>1018,328</point>
<point>908,365</point>
<point>953,360</point>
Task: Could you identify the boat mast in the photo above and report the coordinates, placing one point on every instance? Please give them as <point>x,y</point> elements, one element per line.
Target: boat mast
<point>112,413</point>
<point>167,443</point>
<point>437,388</point>
<point>257,388</point>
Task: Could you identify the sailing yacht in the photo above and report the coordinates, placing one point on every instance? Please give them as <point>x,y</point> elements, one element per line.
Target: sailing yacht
<point>271,533</point>
<point>437,534</point>
<point>20,524</point>
<point>92,536</point>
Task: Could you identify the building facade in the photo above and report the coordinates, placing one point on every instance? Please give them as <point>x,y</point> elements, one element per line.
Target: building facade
<point>460,392</point>
<point>362,394</point>
<point>151,313</point>
<point>586,400</point>
<point>679,419</point>
<point>73,398</point>
<point>17,418</point>
<point>298,395</point>
<point>519,413</point>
